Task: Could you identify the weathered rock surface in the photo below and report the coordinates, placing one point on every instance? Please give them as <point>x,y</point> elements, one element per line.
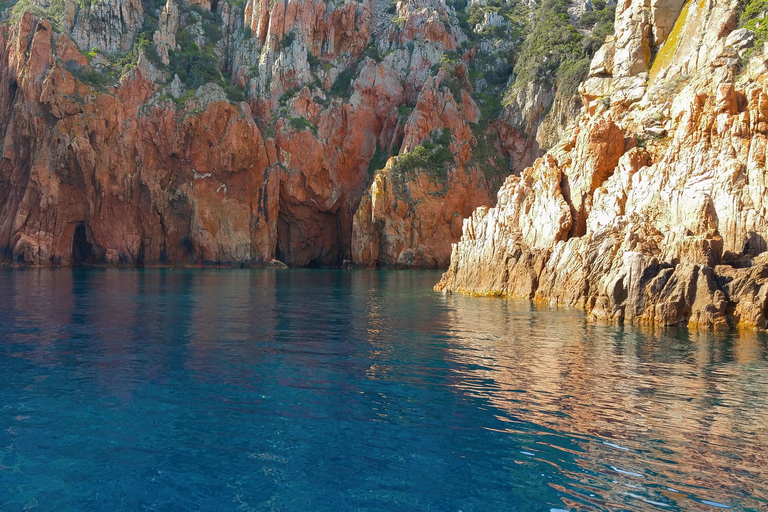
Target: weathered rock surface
<point>188,132</point>
<point>167,26</point>
<point>407,216</point>
<point>108,26</point>
<point>152,186</point>
<point>405,220</point>
<point>650,211</point>
<point>112,157</point>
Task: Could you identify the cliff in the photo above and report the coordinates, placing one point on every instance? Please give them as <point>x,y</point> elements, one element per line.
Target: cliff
<point>650,210</point>
<point>232,132</point>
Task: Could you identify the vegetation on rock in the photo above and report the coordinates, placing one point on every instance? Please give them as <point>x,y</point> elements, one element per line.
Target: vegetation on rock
<point>753,18</point>
<point>433,157</point>
<point>554,51</point>
<point>53,10</point>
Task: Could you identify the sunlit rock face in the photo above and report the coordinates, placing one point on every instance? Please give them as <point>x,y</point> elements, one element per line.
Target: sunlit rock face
<point>651,210</point>
<point>367,133</point>
<point>195,132</point>
<point>214,132</point>
<point>148,184</point>
<point>109,26</point>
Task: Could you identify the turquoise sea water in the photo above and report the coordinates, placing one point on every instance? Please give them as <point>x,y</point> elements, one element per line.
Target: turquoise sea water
<point>300,390</point>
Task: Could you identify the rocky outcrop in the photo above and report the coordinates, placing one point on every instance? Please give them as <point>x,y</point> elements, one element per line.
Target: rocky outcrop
<point>650,210</point>
<point>135,184</point>
<point>411,210</point>
<point>520,122</point>
<point>108,26</point>
<point>118,153</point>
<point>395,106</point>
<point>288,33</point>
<point>165,35</point>
<point>191,132</point>
<point>405,220</point>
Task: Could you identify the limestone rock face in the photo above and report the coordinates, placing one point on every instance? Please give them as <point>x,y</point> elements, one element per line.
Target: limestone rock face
<point>165,35</point>
<point>109,26</point>
<point>661,197</point>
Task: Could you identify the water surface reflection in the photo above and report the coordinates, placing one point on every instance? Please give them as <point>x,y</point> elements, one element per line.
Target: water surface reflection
<point>337,390</point>
<point>670,418</point>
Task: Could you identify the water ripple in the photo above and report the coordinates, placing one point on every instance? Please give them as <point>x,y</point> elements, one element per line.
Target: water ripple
<point>333,390</point>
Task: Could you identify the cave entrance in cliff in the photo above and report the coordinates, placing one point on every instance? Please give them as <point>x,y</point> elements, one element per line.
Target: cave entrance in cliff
<point>81,247</point>
<point>214,5</point>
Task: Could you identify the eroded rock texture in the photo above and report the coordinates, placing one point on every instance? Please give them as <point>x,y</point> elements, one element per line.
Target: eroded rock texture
<point>203,133</point>
<point>189,132</point>
<point>146,184</point>
<point>651,210</point>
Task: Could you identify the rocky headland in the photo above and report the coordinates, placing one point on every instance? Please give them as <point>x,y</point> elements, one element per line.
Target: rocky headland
<point>650,210</point>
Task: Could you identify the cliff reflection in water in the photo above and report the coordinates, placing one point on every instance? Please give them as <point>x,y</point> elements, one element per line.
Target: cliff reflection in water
<point>673,414</point>
<point>338,390</point>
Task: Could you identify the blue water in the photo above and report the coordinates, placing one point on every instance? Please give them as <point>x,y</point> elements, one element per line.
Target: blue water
<point>339,391</point>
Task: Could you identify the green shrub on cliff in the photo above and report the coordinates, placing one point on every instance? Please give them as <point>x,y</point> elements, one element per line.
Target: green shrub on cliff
<point>313,60</point>
<point>487,157</point>
<point>552,41</point>
<point>555,52</point>
<point>378,160</point>
<point>753,14</point>
<point>300,123</point>
<point>194,67</point>
<point>516,12</point>
<point>490,106</point>
<point>95,78</point>
<point>602,28</point>
<point>434,157</point>
<point>597,17</point>
<point>53,10</point>
<point>288,40</point>
<point>342,86</point>
<point>111,68</point>
<point>234,93</point>
<point>570,74</point>
<point>753,18</point>
<point>372,51</point>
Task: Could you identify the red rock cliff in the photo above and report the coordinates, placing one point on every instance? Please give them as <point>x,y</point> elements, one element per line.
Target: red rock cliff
<point>211,132</point>
<point>650,211</point>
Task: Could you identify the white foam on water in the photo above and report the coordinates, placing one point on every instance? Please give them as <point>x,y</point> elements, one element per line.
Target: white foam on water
<point>621,471</point>
<point>529,453</point>
<point>618,447</point>
<point>715,504</point>
<point>657,503</point>
<point>650,502</point>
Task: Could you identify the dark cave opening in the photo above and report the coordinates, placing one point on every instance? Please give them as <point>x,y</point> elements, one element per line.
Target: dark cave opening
<point>214,5</point>
<point>307,238</point>
<point>81,247</point>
